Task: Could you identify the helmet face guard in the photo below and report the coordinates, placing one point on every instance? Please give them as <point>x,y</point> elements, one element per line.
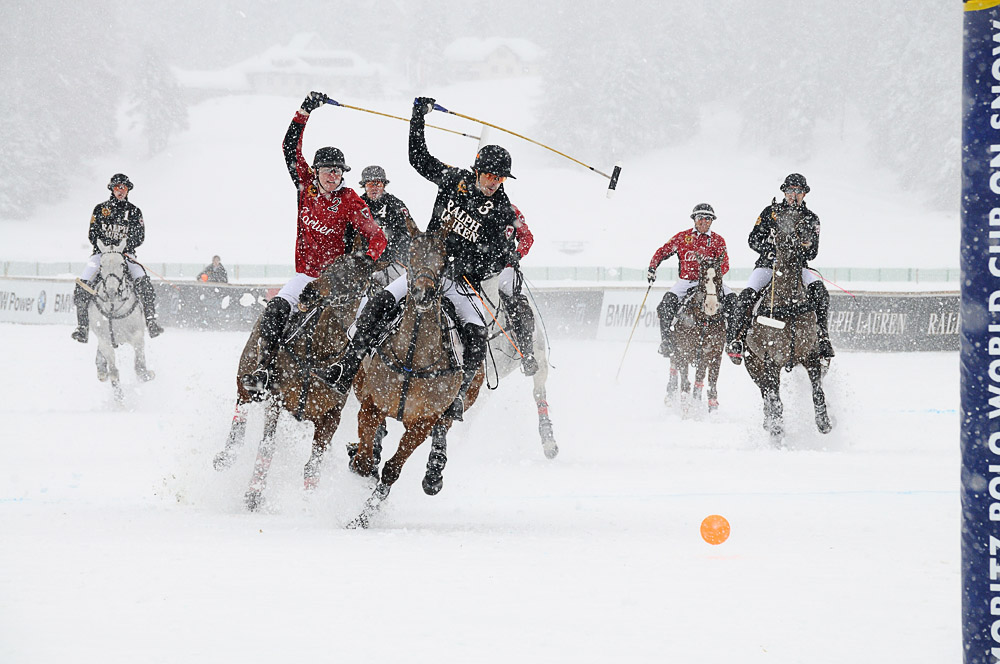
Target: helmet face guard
<point>493,159</point>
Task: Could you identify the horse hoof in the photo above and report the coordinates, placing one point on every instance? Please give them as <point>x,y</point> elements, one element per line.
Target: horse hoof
<point>222,461</point>
<point>823,424</point>
<point>713,405</point>
<point>550,449</point>
<point>433,483</point>
<point>145,376</point>
<point>253,500</point>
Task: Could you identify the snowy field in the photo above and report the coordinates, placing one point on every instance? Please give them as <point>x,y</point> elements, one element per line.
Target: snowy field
<point>120,543</point>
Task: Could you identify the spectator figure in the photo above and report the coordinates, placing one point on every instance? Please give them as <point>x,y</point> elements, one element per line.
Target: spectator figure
<point>215,272</point>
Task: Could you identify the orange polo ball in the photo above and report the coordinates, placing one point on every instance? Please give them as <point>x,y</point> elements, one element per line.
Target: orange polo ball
<point>715,529</point>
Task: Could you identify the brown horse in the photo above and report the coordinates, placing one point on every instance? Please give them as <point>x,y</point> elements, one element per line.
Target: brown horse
<point>783,334</point>
<point>413,376</point>
<point>313,337</point>
<point>699,337</point>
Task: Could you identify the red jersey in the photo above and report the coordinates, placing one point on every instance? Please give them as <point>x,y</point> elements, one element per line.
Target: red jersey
<point>323,218</point>
<point>688,245</point>
<point>524,237</point>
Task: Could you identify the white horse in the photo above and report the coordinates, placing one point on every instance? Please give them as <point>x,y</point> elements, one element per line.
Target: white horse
<point>116,317</point>
<point>508,359</point>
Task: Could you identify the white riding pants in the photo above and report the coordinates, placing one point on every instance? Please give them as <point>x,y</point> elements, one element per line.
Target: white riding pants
<point>761,277</point>
<point>468,309</point>
<point>291,290</point>
<point>682,286</point>
<point>94,264</point>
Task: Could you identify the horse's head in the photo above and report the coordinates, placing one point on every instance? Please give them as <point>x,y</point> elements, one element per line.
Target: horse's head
<point>345,279</point>
<point>427,264</point>
<point>114,271</point>
<point>710,281</point>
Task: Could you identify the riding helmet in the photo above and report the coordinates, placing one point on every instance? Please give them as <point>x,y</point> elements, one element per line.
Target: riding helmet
<point>493,159</point>
<point>795,180</point>
<point>330,156</point>
<point>373,174</point>
<point>703,210</point>
<point>119,178</point>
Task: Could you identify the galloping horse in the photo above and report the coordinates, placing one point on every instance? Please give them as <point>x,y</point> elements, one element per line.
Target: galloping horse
<point>313,337</point>
<point>413,376</point>
<point>507,359</point>
<point>784,332</point>
<point>116,317</point>
<point>699,337</point>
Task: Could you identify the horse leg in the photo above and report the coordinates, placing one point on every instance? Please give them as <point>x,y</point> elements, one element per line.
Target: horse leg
<point>815,371</point>
<point>416,433</point>
<point>369,418</point>
<point>549,446</point>
<point>323,433</point>
<point>773,408</point>
<point>713,382</point>
<point>263,462</point>
<point>237,434</point>
<point>436,461</point>
<point>671,384</point>
<point>141,371</point>
<point>102,366</point>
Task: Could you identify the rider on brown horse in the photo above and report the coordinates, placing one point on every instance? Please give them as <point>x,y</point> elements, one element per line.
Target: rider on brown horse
<point>761,240</point>
<point>691,246</point>
<point>474,209</point>
<point>326,207</point>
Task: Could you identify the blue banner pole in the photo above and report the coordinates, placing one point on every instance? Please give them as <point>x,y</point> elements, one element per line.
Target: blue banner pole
<point>980,333</point>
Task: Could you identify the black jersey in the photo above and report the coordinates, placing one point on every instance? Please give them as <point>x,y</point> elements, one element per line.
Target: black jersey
<point>480,238</point>
<point>391,214</point>
<point>761,237</point>
<point>115,220</point>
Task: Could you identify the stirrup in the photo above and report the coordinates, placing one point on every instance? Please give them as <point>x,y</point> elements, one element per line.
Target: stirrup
<point>333,376</point>
<point>826,348</point>
<point>529,365</point>
<point>153,327</point>
<point>81,333</point>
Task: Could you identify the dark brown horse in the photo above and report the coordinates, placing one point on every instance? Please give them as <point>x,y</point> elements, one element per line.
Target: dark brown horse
<point>313,337</point>
<point>413,376</point>
<point>783,333</point>
<point>699,337</point>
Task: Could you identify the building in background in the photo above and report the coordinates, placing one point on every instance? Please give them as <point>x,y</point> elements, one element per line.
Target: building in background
<point>472,59</point>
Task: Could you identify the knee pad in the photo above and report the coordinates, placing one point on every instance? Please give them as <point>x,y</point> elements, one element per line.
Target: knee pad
<point>525,313</point>
<point>474,339</point>
<point>275,314</point>
<point>668,305</point>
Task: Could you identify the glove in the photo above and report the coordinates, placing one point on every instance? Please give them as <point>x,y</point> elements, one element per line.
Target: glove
<point>651,274</point>
<point>313,101</point>
<point>309,297</point>
<point>422,106</point>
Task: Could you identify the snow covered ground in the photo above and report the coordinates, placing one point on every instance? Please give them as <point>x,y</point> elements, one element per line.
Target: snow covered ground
<point>120,543</point>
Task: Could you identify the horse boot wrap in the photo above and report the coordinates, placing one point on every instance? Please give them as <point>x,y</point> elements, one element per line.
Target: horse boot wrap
<point>81,300</point>
<point>666,311</point>
<point>820,298</point>
<point>144,289</point>
<point>522,321</point>
<point>474,340</point>
<point>371,324</point>
<point>272,323</point>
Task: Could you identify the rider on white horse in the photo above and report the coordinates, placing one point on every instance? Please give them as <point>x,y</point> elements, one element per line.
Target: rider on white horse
<point>519,313</point>
<point>691,246</point>
<point>112,221</point>
<point>761,240</point>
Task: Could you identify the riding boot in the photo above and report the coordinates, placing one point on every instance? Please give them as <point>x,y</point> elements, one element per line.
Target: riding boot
<point>272,323</point>
<point>666,311</point>
<point>820,298</point>
<point>474,340</point>
<point>737,323</point>
<point>371,323</point>
<point>522,321</point>
<point>144,289</point>
<point>81,300</point>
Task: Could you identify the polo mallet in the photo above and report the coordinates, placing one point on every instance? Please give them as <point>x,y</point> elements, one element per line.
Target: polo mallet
<point>765,320</point>
<point>635,325</point>
<point>333,102</point>
<point>158,276</point>
<point>614,173</point>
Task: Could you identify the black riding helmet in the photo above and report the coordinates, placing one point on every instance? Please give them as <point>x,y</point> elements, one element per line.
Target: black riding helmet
<point>373,174</point>
<point>795,180</point>
<point>493,159</point>
<point>330,156</point>
<point>119,178</point>
<point>703,210</point>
